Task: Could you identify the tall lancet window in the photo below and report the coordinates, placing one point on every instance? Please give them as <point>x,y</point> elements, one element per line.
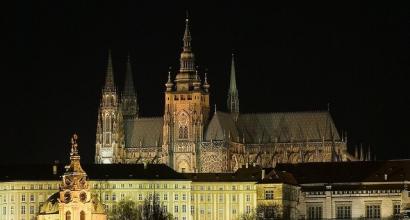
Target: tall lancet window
<point>183,126</point>
<point>68,215</point>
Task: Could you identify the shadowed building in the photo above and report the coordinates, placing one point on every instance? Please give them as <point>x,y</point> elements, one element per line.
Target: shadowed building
<point>189,138</point>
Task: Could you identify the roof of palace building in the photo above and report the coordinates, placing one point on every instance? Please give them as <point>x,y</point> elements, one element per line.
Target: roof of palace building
<point>349,172</point>
<point>250,174</point>
<point>27,172</point>
<point>143,132</point>
<point>271,127</point>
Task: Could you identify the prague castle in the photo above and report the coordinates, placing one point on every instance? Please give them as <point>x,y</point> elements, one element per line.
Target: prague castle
<point>192,137</point>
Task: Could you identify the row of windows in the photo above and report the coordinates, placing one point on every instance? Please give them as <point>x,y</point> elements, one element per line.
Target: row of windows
<point>138,186</point>
<point>345,211</point>
<point>31,187</point>
<point>220,188</point>
<point>23,210</point>
<point>356,192</point>
<point>23,198</point>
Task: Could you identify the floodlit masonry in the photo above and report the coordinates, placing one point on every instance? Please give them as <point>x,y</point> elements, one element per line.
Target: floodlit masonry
<point>303,191</point>
<point>192,136</point>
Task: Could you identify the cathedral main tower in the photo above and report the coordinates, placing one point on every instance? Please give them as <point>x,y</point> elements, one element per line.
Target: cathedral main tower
<point>186,112</point>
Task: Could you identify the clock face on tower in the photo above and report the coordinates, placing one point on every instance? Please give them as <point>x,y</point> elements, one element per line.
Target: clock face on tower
<point>67,197</point>
<point>83,197</point>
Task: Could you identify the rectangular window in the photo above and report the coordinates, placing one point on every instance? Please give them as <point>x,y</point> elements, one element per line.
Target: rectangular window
<point>176,209</point>
<point>344,212</point>
<point>372,211</point>
<point>31,198</point>
<point>122,196</point>
<point>12,210</point>
<point>114,197</point>
<point>23,198</point>
<point>4,210</point>
<point>140,197</point>
<point>183,197</point>
<point>248,197</point>
<point>233,198</point>
<point>176,197</point>
<point>396,209</point>
<point>192,209</point>
<point>269,194</point>
<point>248,209</point>
<point>23,210</point>
<point>107,197</point>
<point>221,198</point>
<point>183,208</point>
<point>165,208</point>
<point>314,212</point>
<point>202,211</point>
<point>165,197</point>
<point>31,210</point>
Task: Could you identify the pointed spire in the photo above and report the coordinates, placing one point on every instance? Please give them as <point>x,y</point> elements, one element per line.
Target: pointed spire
<point>206,84</point>
<point>109,77</point>
<point>187,35</point>
<point>129,89</point>
<point>233,97</point>
<point>169,83</point>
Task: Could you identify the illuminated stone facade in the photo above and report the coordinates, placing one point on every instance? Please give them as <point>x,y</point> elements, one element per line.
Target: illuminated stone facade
<point>191,138</point>
<point>74,200</point>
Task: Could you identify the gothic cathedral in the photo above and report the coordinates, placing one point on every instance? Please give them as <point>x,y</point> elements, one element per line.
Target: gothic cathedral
<point>189,138</point>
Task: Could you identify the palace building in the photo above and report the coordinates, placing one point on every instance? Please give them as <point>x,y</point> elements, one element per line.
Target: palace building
<point>189,137</point>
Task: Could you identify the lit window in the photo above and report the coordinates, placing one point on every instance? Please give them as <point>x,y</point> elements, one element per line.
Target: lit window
<point>344,212</point>
<point>269,194</point>
<point>372,211</point>
<point>314,212</point>
<point>396,209</point>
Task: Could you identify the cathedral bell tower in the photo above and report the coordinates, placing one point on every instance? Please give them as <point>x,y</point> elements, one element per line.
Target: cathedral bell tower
<point>109,123</point>
<point>186,112</point>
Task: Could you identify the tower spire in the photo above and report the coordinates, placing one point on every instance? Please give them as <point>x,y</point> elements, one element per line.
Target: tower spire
<point>186,75</point>
<point>233,97</point>
<point>129,97</point>
<point>109,77</point>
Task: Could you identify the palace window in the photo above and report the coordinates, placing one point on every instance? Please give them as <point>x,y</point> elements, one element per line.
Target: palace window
<point>31,198</point>
<point>314,212</point>
<point>140,197</point>
<point>23,198</point>
<point>31,210</point>
<point>233,198</point>
<point>114,197</point>
<point>23,210</point>
<point>183,208</point>
<point>176,197</point>
<point>344,212</point>
<point>192,209</point>
<point>248,197</point>
<point>183,197</point>
<point>176,209</point>
<point>221,198</point>
<point>107,197</point>
<point>12,210</point>
<point>248,209</point>
<point>269,194</point>
<point>372,211</point>
<point>396,209</point>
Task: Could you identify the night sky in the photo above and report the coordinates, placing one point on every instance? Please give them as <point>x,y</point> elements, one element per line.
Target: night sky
<point>289,57</point>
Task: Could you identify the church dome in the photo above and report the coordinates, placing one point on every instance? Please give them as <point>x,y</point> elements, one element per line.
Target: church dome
<point>50,206</point>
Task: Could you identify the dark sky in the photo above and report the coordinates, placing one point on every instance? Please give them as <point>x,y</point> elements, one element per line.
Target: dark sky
<point>290,57</point>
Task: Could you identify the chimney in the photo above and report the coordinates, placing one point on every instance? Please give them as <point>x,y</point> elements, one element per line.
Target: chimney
<point>55,167</point>
<point>263,174</point>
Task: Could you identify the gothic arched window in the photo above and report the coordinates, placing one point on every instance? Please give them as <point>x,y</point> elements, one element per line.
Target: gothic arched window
<point>82,215</point>
<point>68,215</point>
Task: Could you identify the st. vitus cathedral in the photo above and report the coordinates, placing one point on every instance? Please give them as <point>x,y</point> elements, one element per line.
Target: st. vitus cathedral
<point>190,138</point>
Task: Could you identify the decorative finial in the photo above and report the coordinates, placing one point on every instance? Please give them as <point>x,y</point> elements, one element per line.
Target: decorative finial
<point>74,144</point>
